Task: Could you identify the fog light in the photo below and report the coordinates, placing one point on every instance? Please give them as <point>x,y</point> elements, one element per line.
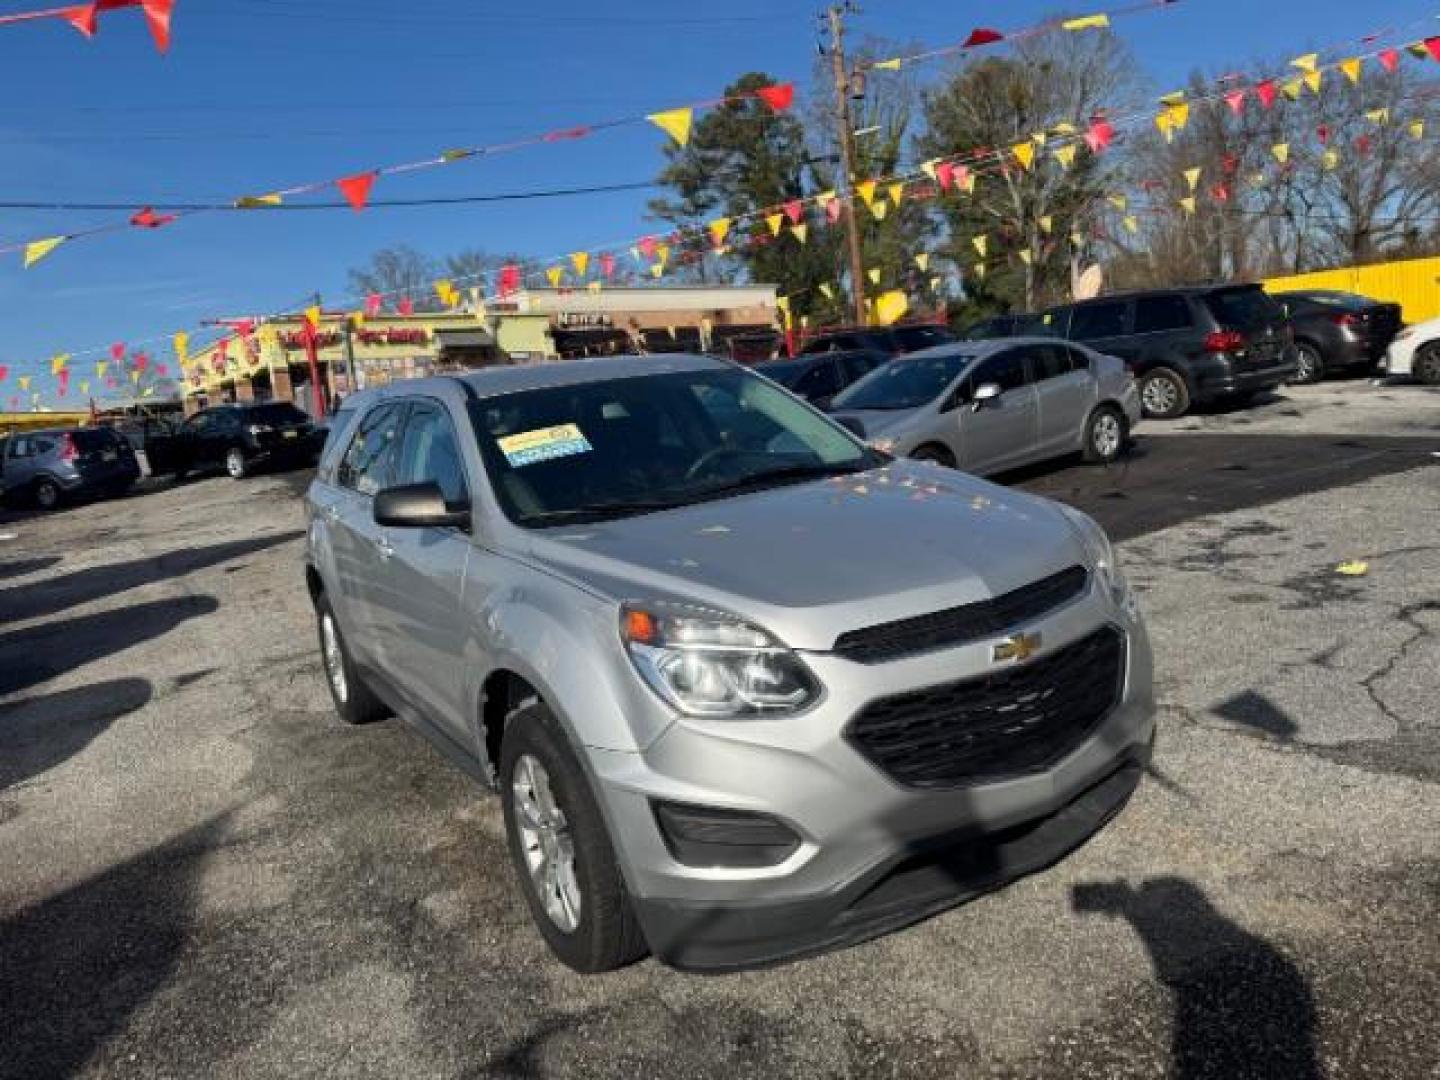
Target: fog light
<point>704,836</point>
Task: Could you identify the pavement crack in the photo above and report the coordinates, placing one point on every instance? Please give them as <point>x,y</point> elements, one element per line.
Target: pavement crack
<point>1420,632</point>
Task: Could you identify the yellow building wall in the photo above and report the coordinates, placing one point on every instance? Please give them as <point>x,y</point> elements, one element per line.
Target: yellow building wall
<point>527,334</point>
<point>1414,284</point>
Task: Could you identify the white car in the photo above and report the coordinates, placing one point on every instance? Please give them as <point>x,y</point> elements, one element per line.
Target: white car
<point>1416,351</point>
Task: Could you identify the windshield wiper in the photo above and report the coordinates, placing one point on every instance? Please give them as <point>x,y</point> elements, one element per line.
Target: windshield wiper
<point>602,510</point>
<point>788,474</point>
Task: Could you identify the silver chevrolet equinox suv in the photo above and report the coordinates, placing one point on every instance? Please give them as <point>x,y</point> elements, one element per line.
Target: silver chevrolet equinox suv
<point>748,688</point>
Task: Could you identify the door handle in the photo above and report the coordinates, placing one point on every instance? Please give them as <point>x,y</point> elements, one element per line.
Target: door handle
<point>332,512</point>
<point>384,548</point>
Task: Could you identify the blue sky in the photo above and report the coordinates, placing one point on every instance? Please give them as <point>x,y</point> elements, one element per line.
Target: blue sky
<point>259,94</point>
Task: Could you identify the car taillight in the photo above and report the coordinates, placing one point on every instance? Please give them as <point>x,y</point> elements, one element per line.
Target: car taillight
<point>67,449</point>
<point>1224,341</point>
<point>1347,318</point>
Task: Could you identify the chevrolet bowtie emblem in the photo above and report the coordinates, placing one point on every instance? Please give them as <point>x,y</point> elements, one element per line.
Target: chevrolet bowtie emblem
<point>1017,647</point>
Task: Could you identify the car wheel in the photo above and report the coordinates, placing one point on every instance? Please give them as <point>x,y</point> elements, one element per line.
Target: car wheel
<point>1309,365</point>
<point>354,701</point>
<point>560,848</point>
<point>940,455</point>
<point>235,463</point>
<point>47,495</point>
<point>1164,394</point>
<point>1427,364</point>
<point>1104,435</point>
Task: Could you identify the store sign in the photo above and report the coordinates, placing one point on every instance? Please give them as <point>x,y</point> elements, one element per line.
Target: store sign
<point>408,335</point>
<point>577,320</point>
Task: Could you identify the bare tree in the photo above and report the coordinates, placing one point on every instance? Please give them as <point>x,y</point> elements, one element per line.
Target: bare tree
<point>399,271</point>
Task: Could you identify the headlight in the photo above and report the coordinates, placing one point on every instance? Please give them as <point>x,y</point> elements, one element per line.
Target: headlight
<point>1103,564</point>
<point>1407,332</point>
<point>706,663</point>
<point>259,429</point>
<point>884,444</point>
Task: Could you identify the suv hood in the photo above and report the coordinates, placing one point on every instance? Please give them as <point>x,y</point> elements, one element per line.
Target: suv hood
<point>809,561</point>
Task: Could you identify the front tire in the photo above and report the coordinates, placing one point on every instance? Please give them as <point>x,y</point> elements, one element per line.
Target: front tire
<point>236,463</point>
<point>1310,365</point>
<point>1105,433</point>
<point>48,495</point>
<point>354,701</point>
<point>1426,366</point>
<point>561,849</point>
<point>1164,395</point>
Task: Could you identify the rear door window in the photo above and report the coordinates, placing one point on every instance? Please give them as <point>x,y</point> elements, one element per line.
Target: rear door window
<point>1243,309</point>
<point>822,380</point>
<point>1095,321</point>
<point>369,461</point>
<point>93,440</point>
<point>1158,314</point>
<point>1007,371</point>
<point>430,453</point>
<point>1049,361</point>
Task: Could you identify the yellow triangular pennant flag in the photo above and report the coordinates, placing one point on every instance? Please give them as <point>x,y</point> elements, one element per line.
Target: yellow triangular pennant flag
<point>1026,257</point>
<point>891,306</point>
<point>1192,177</point>
<point>980,271</point>
<point>1351,68</point>
<point>1378,116</point>
<point>1188,204</point>
<point>719,229</point>
<point>1175,97</point>
<point>24,381</point>
<point>101,366</point>
<point>312,316</point>
<point>1065,128</point>
<point>135,376</point>
<point>38,249</point>
<point>896,192</point>
<point>878,209</point>
<point>1087,22</point>
<point>1307,62</point>
<point>1132,224</point>
<point>1330,159</point>
<point>866,191</point>
<point>1417,129</point>
<point>1120,202</point>
<point>555,275</point>
<point>775,221</point>
<point>1418,50</point>
<point>595,286</point>
<point>874,274</point>
<point>1281,152</point>
<point>923,261</point>
<point>675,123</point>
<point>581,261</point>
<point>257,202</point>
<point>656,270</point>
<point>1065,155</point>
<point>799,231</point>
<point>662,254</point>
<point>827,291</point>
<point>1047,224</point>
<point>58,362</point>
<point>85,386</point>
<point>982,244</point>
<point>825,198</point>
<point>1024,153</point>
<point>1038,138</point>
<point>1291,89</point>
<point>928,167</point>
<point>1313,80</point>
<point>892,64</point>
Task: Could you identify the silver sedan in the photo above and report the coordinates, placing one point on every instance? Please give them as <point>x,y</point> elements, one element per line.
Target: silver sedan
<point>988,406</point>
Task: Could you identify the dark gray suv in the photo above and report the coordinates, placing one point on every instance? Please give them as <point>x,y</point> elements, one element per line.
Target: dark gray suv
<point>1186,346</point>
<point>51,466</point>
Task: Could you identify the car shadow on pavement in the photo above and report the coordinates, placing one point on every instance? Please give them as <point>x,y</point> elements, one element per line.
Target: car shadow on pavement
<point>20,567</point>
<point>38,733</point>
<point>1242,1008</point>
<point>52,595</point>
<point>37,654</point>
<point>81,963</point>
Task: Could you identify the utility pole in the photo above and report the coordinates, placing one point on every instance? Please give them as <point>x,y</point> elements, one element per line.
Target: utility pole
<point>836,15</point>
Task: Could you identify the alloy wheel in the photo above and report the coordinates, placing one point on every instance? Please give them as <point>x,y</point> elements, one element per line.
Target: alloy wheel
<point>47,495</point>
<point>235,464</point>
<point>333,657</point>
<point>1106,435</point>
<point>1160,396</point>
<point>1307,365</point>
<point>546,843</point>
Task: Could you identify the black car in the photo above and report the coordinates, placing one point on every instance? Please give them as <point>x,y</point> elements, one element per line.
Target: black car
<point>1187,346</point>
<point>239,439</point>
<point>818,378</point>
<point>1336,330</point>
<point>1014,324</point>
<point>890,340</point>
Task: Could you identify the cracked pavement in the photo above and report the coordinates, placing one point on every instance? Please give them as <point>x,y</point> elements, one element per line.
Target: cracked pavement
<point>205,874</point>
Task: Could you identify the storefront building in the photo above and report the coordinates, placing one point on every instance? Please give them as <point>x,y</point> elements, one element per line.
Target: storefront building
<point>270,360</point>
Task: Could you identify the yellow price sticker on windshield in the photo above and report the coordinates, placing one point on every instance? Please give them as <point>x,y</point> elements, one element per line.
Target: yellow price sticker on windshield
<point>543,444</point>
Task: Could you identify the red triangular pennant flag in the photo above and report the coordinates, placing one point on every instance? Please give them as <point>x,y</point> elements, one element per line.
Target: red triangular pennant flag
<point>1362,144</point>
<point>117,351</point>
<point>1100,135</point>
<point>1390,59</point>
<point>779,97</point>
<point>1323,133</point>
<point>162,370</point>
<point>406,306</point>
<point>794,210</point>
<point>82,18</point>
<point>372,305</point>
<point>833,210</point>
<point>509,279</point>
<point>648,246</point>
<point>356,189</point>
<point>1432,46</point>
<point>148,219</point>
<point>1265,91</point>
<point>607,264</point>
<point>157,16</point>
<point>1236,100</point>
<point>945,175</point>
<point>1220,193</point>
<point>982,36</point>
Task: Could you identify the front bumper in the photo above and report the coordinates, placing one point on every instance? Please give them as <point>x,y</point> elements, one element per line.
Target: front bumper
<point>874,855</point>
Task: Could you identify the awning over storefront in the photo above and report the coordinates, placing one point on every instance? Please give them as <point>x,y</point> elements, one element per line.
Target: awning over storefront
<point>592,341</point>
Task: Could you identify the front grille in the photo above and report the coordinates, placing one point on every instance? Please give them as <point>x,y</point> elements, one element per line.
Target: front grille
<point>961,625</point>
<point>1012,722</point>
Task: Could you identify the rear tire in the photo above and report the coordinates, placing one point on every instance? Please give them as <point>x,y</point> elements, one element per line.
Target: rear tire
<point>940,455</point>
<point>1426,366</point>
<point>354,701</point>
<point>571,838</point>
<point>236,464</point>
<point>1310,365</point>
<point>1105,434</point>
<point>1164,395</point>
<point>48,495</point>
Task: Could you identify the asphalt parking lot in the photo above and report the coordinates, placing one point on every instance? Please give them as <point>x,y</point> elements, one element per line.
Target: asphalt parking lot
<point>204,874</point>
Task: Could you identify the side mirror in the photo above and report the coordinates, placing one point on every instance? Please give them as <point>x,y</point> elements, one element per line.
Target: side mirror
<point>985,394</point>
<point>419,506</point>
<point>852,424</point>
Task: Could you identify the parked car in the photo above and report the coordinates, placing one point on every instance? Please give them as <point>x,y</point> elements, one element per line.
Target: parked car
<point>819,377</point>
<point>890,340</point>
<point>52,466</point>
<point>1415,351</point>
<point>239,439</point>
<point>1015,324</point>
<point>988,406</point>
<point>748,689</point>
<point>1187,346</point>
<point>1337,330</point>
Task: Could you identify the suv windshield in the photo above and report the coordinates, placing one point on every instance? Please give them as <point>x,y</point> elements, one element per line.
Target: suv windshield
<point>609,449</point>
<point>278,412</point>
<point>1244,309</point>
<point>904,384</point>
